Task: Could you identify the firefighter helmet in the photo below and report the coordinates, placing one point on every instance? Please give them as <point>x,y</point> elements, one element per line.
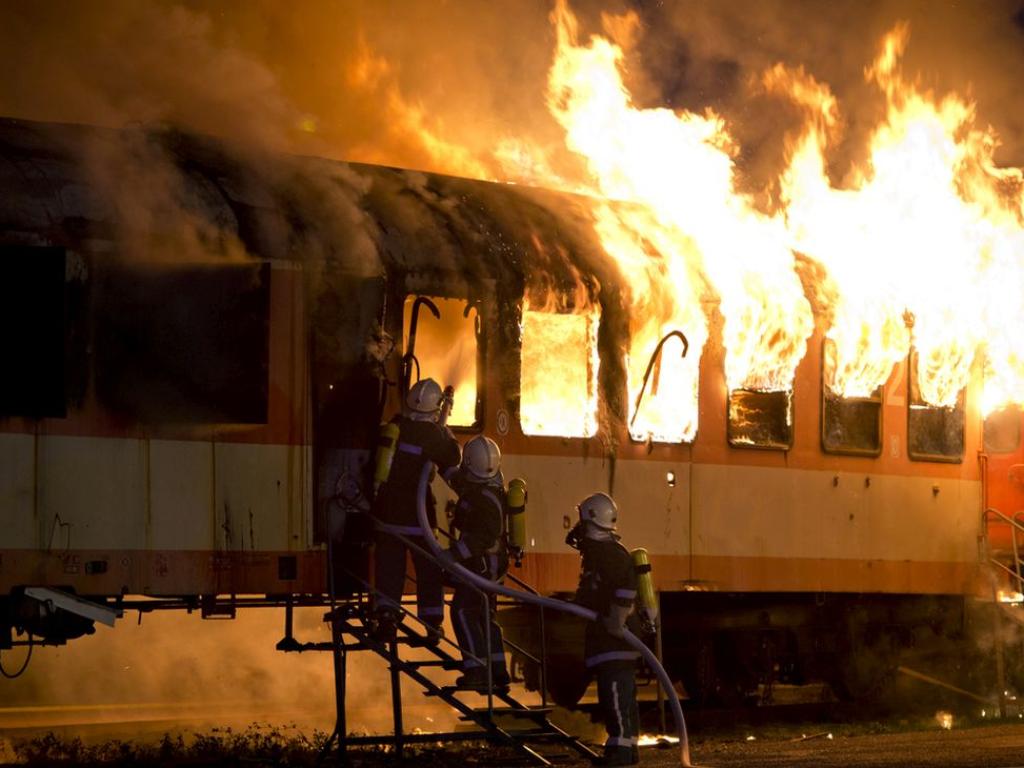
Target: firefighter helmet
<point>481,458</point>
<point>424,398</point>
<point>599,509</point>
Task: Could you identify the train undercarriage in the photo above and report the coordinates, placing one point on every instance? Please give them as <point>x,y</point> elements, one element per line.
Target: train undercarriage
<point>732,649</point>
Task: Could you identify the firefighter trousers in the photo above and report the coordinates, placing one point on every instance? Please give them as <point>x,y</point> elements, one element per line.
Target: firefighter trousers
<point>616,695</point>
<point>473,617</point>
<point>389,573</point>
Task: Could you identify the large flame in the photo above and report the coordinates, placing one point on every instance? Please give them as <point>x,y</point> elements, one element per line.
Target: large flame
<point>679,167</point>
<point>920,247</point>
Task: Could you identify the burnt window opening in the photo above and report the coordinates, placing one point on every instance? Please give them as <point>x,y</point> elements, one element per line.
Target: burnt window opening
<point>934,433</point>
<point>32,331</point>
<point>558,373</point>
<point>849,425</point>
<point>663,390</point>
<point>760,419</point>
<point>447,349</point>
<point>1002,430</point>
<point>184,343</point>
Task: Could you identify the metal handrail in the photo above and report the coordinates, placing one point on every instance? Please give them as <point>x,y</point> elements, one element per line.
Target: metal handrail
<point>1015,525</point>
<point>543,661</point>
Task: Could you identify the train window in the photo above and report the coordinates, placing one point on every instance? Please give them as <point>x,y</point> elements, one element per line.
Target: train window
<point>32,310</point>
<point>1002,430</point>
<point>184,343</point>
<point>664,382</point>
<point>558,372</point>
<point>933,433</point>
<point>849,425</point>
<point>443,347</point>
<point>760,419</point>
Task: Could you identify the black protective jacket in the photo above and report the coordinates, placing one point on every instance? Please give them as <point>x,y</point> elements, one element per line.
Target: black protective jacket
<point>419,442</point>
<point>479,517</point>
<point>608,576</point>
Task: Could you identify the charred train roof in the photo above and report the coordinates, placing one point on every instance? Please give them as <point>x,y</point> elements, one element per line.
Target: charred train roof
<point>158,194</point>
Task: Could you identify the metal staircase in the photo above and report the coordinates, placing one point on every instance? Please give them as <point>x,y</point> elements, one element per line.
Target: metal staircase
<point>1006,568</point>
<point>502,720</point>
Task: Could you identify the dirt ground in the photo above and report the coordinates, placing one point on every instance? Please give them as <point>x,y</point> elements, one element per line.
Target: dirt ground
<point>994,744</point>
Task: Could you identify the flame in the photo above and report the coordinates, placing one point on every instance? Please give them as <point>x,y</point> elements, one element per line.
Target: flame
<point>919,248</point>
<point>446,351</point>
<point>560,364</point>
<point>916,244</point>
<point>679,167</point>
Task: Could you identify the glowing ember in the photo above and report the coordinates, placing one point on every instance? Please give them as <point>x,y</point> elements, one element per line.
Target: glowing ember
<point>659,740</point>
<point>1010,597</point>
<point>944,719</point>
<point>558,382</point>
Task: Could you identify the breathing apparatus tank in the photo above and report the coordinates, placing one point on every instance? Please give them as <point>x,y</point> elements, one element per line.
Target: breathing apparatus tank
<point>516,507</point>
<point>387,442</point>
<point>647,600</point>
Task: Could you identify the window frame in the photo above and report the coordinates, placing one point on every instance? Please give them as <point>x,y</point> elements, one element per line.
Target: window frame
<point>791,408</point>
<point>480,337</point>
<point>1016,410</point>
<point>878,397</point>
<point>34,398</point>
<point>915,402</point>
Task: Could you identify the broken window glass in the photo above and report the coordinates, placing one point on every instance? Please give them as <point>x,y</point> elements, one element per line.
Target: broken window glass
<point>849,425</point>
<point>760,419</point>
<point>934,433</point>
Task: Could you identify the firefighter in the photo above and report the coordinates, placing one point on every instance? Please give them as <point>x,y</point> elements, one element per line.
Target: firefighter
<point>479,516</point>
<point>421,440</point>
<point>608,586</point>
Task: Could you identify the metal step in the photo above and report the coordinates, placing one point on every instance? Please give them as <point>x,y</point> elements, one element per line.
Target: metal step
<point>524,711</point>
<point>449,664</point>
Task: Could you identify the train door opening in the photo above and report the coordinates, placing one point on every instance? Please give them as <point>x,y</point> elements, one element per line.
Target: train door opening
<point>441,341</point>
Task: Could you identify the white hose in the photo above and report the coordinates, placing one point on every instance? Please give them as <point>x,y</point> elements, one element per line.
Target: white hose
<point>558,605</point>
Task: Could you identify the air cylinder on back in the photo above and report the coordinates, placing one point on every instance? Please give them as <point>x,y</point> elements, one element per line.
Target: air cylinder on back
<point>386,445</point>
<point>516,508</point>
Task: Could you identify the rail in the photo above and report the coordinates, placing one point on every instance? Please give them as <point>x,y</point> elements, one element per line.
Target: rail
<point>557,605</point>
<point>1016,525</point>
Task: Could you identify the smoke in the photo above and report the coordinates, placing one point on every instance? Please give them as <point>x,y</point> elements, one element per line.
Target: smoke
<point>459,86</point>
<point>698,55</point>
<point>176,671</point>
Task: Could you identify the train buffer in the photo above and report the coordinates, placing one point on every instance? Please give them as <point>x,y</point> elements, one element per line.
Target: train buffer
<point>494,716</point>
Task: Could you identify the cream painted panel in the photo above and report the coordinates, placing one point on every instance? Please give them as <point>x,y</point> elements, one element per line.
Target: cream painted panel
<point>910,521</point>
<point>259,496</point>
<point>764,512</point>
<point>96,486</point>
<point>18,527</point>
<point>653,514</point>
<point>181,495</point>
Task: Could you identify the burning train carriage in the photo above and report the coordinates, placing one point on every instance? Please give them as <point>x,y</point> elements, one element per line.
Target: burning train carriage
<point>180,426</point>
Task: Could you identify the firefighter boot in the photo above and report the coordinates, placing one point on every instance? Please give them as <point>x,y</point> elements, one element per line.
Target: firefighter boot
<point>617,756</point>
<point>474,679</point>
<point>499,677</point>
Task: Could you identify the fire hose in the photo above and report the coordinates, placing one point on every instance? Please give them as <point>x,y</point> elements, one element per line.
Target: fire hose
<point>558,605</point>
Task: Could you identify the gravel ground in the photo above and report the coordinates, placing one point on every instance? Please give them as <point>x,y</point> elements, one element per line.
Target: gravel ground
<point>884,744</point>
